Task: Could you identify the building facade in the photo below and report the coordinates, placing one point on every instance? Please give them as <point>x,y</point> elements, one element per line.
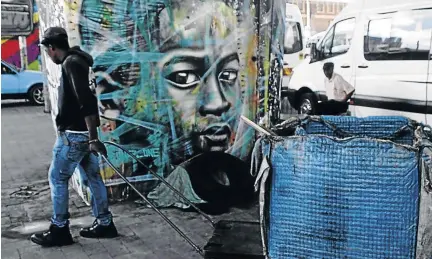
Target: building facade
<point>322,12</point>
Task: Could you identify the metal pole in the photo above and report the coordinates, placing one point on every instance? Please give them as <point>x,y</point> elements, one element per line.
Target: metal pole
<point>47,100</point>
<point>258,128</point>
<point>196,247</point>
<point>23,51</point>
<point>308,19</point>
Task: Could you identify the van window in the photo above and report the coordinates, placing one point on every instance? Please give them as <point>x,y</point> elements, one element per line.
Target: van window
<point>338,39</point>
<point>326,43</point>
<point>377,39</point>
<point>293,38</point>
<point>405,36</point>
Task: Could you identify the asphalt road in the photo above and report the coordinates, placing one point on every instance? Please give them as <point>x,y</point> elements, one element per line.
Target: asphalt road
<point>27,137</point>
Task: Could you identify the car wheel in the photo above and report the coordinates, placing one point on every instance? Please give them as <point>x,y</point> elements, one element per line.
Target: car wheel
<point>36,95</point>
<point>307,104</point>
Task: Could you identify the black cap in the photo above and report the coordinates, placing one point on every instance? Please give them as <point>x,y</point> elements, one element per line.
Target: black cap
<point>54,34</point>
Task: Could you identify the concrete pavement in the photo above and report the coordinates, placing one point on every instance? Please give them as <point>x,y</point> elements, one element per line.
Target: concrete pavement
<point>27,139</point>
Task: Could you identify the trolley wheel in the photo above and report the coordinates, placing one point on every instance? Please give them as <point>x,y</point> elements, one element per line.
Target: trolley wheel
<point>220,179</point>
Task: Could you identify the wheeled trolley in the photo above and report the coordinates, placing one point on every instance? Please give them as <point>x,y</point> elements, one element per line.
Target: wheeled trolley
<point>230,239</point>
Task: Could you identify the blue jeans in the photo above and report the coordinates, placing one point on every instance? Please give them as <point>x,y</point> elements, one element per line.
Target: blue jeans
<point>67,157</point>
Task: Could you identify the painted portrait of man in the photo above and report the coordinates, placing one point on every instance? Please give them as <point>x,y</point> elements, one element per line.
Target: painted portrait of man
<point>201,70</point>
<point>190,76</point>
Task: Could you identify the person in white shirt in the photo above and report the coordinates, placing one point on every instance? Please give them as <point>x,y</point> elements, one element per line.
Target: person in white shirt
<point>337,88</point>
<point>338,92</point>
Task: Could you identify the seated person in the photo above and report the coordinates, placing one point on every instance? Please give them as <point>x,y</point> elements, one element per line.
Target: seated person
<point>338,92</point>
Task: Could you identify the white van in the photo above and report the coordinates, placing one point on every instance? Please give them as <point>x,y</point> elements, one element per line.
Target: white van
<point>383,48</point>
<point>293,42</point>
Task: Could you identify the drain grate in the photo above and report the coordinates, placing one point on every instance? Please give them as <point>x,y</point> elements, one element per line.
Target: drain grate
<point>27,191</point>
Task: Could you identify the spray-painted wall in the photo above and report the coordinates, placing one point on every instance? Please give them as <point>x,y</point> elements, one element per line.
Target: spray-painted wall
<point>11,49</point>
<point>174,76</point>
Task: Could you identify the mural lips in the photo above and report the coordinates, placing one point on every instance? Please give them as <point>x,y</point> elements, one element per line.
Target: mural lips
<point>215,137</point>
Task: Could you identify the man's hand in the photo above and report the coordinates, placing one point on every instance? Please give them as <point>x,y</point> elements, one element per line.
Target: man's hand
<point>348,96</point>
<point>98,148</point>
<point>95,145</point>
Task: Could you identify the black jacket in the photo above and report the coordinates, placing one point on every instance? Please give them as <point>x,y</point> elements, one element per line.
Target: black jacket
<point>76,99</point>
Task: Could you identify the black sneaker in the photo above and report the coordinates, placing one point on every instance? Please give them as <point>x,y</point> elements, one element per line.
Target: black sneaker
<point>99,231</point>
<point>54,236</point>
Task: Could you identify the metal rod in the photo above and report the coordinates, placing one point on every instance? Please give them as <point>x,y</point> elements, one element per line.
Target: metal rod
<point>257,127</point>
<point>164,181</point>
<point>195,246</point>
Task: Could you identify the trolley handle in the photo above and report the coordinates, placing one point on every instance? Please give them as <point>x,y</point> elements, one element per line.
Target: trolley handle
<point>162,180</point>
<point>174,226</point>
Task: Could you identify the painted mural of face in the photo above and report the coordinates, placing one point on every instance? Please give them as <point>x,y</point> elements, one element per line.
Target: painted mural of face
<point>201,73</point>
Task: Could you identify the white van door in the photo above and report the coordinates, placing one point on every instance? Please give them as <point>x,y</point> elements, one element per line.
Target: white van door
<point>334,47</point>
<point>293,42</point>
<point>392,70</point>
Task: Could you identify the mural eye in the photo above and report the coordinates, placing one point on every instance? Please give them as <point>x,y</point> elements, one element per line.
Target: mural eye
<point>228,76</point>
<point>183,79</point>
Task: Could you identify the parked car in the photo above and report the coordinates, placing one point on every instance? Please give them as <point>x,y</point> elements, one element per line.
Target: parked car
<point>18,83</point>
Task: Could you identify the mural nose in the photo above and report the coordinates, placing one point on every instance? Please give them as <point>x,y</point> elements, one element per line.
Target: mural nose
<point>214,109</point>
<point>214,101</point>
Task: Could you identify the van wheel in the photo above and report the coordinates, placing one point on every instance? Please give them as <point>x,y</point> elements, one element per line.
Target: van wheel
<point>35,95</point>
<point>307,104</point>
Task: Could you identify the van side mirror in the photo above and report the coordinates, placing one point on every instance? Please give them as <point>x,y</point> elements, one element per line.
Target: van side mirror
<point>313,52</point>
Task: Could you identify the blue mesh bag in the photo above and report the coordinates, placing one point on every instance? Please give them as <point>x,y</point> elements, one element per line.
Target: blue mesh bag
<point>395,128</point>
<point>345,187</point>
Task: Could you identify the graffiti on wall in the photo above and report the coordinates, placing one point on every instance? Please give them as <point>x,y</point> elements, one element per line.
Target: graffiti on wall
<point>175,83</point>
<point>271,29</point>
<point>10,45</point>
<point>173,76</point>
